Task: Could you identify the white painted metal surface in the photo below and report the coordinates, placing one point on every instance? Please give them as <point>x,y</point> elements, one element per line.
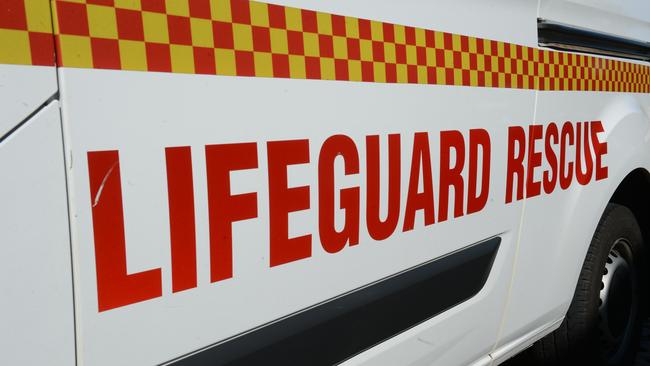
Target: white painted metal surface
<point>37,314</point>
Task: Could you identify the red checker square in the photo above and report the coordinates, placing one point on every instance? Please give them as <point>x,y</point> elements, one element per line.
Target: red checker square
<point>502,64</point>
<point>102,2</point>
<point>180,31</point>
<point>481,78</point>
<point>506,49</point>
<point>200,9</point>
<point>480,48</point>
<point>430,38</point>
<point>341,70</point>
<point>432,77</point>
<point>520,52</point>
<point>440,57</point>
<point>245,63</point>
<point>326,45</point>
<point>129,24</point>
<point>448,43</point>
<point>157,6</point>
<point>520,81</point>
<point>531,53</point>
<point>42,48</point>
<point>412,74</point>
<point>449,76</point>
<point>367,71</point>
<point>72,18</point>
<point>410,35</point>
<point>466,81</point>
<point>354,49</point>
<point>464,43</point>
<point>389,32</point>
<point>487,62</point>
<point>495,78</point>
<point>277,18</point>
<point>338,25</point>
<point>158,57</point>
<point>309,22</point>
<point>400,53</point>
<point>261,39</point>
<point>421,55</point>
<point>280,66</point>
<point>391,73</point>
<point>295,43</point>
<point>106,53</point>
<point>312,67</point>
<point>494,45</point>
<point>204,62</point>
<point>458,60</point>
<point>364,29</point>
<point>473,65</point>
<point>378,51</point>
<point>12,15</point>
<point>508,81</point>
<point>241,12</point>
<point>223,36</point>
<point>513,66</point>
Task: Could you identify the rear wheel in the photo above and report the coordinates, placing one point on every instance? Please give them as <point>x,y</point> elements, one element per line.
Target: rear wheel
<point>603,323</point>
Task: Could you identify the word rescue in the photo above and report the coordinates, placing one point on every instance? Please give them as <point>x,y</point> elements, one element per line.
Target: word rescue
<point>463,160</point>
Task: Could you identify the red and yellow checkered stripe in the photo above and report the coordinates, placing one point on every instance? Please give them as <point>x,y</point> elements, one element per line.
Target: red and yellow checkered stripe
<point>249,38</point>
<point>26,32</point>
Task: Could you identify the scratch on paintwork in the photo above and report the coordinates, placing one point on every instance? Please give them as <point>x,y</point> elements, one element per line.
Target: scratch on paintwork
<point>101,186</point>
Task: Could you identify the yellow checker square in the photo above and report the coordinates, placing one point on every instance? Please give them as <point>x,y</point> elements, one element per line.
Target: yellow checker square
<point>379,71</point>
<point>243,37</point>
<point>411,55</point>
<point>19,53</point>
<point>75,51</point>
<point>455,42</point>
<point>293,18</point>
<point>376,30</point>
<point>310,42</point>
<point>439,39</point>
<point>340,47</point>
<point>494,63</point>
<point>402,73</point>
<point>473,78</point>
<point>297,67</point>
<point>431,56</point>
<point>449,59</point>
<point>513,80</point>
<point>390,53</point>
<point>472,45</point>
<point>324,23</point>
<point>422,75</point>
<point>259,14</point>
<point>502,80</point>
<point>133,55</point>
<point>351,27</point>
<point>102,22</point>
<point>129,4</point>
<point>263,64</point>
<point>458,77</point>
<point>182,59</point>
<point>420,37</point>
<point>501,49</point>
<point>366,50</point>
<point>488,78</point>
<point>525,84</point>
<point>441,76</point>
<point>178,7</point>
<point>480,62</point>
<point>354,70</point>
<point>225,62</point>
<point>507,65</point>
<point>400,34</point>
<point>464,58</point>
<point>202,32</point>
<point>327,69</point>
<point>279,43</point>
<point>155,27</point>
<point>39,18</point>
<point>220,10</point>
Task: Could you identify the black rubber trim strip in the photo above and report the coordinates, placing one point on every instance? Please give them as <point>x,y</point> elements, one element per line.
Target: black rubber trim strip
<point>338,329</point>
<point>566,37</point>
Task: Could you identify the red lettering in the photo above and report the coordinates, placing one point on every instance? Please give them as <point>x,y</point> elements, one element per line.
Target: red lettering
<point>550,176</point>
<point>415,200</point>
<point>115,287</point>
<point>332,240</point>
<point>378,229</point>
<point>180,193</point>
<point>516,134</point>
<point>533,187</point>
<point>451,176</point>
<point>476,203</point>
<point>283,200</point>
<point>583,178</point>
<point>224,208</point>
<point>566,170</point>
<point>600,149</point>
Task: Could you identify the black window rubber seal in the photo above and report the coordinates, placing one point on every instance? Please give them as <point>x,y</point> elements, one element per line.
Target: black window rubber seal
<point>569,38</point>
<point>340,328</point>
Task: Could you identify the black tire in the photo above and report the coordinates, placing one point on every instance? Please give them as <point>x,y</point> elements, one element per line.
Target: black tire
<point>585,337</point>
